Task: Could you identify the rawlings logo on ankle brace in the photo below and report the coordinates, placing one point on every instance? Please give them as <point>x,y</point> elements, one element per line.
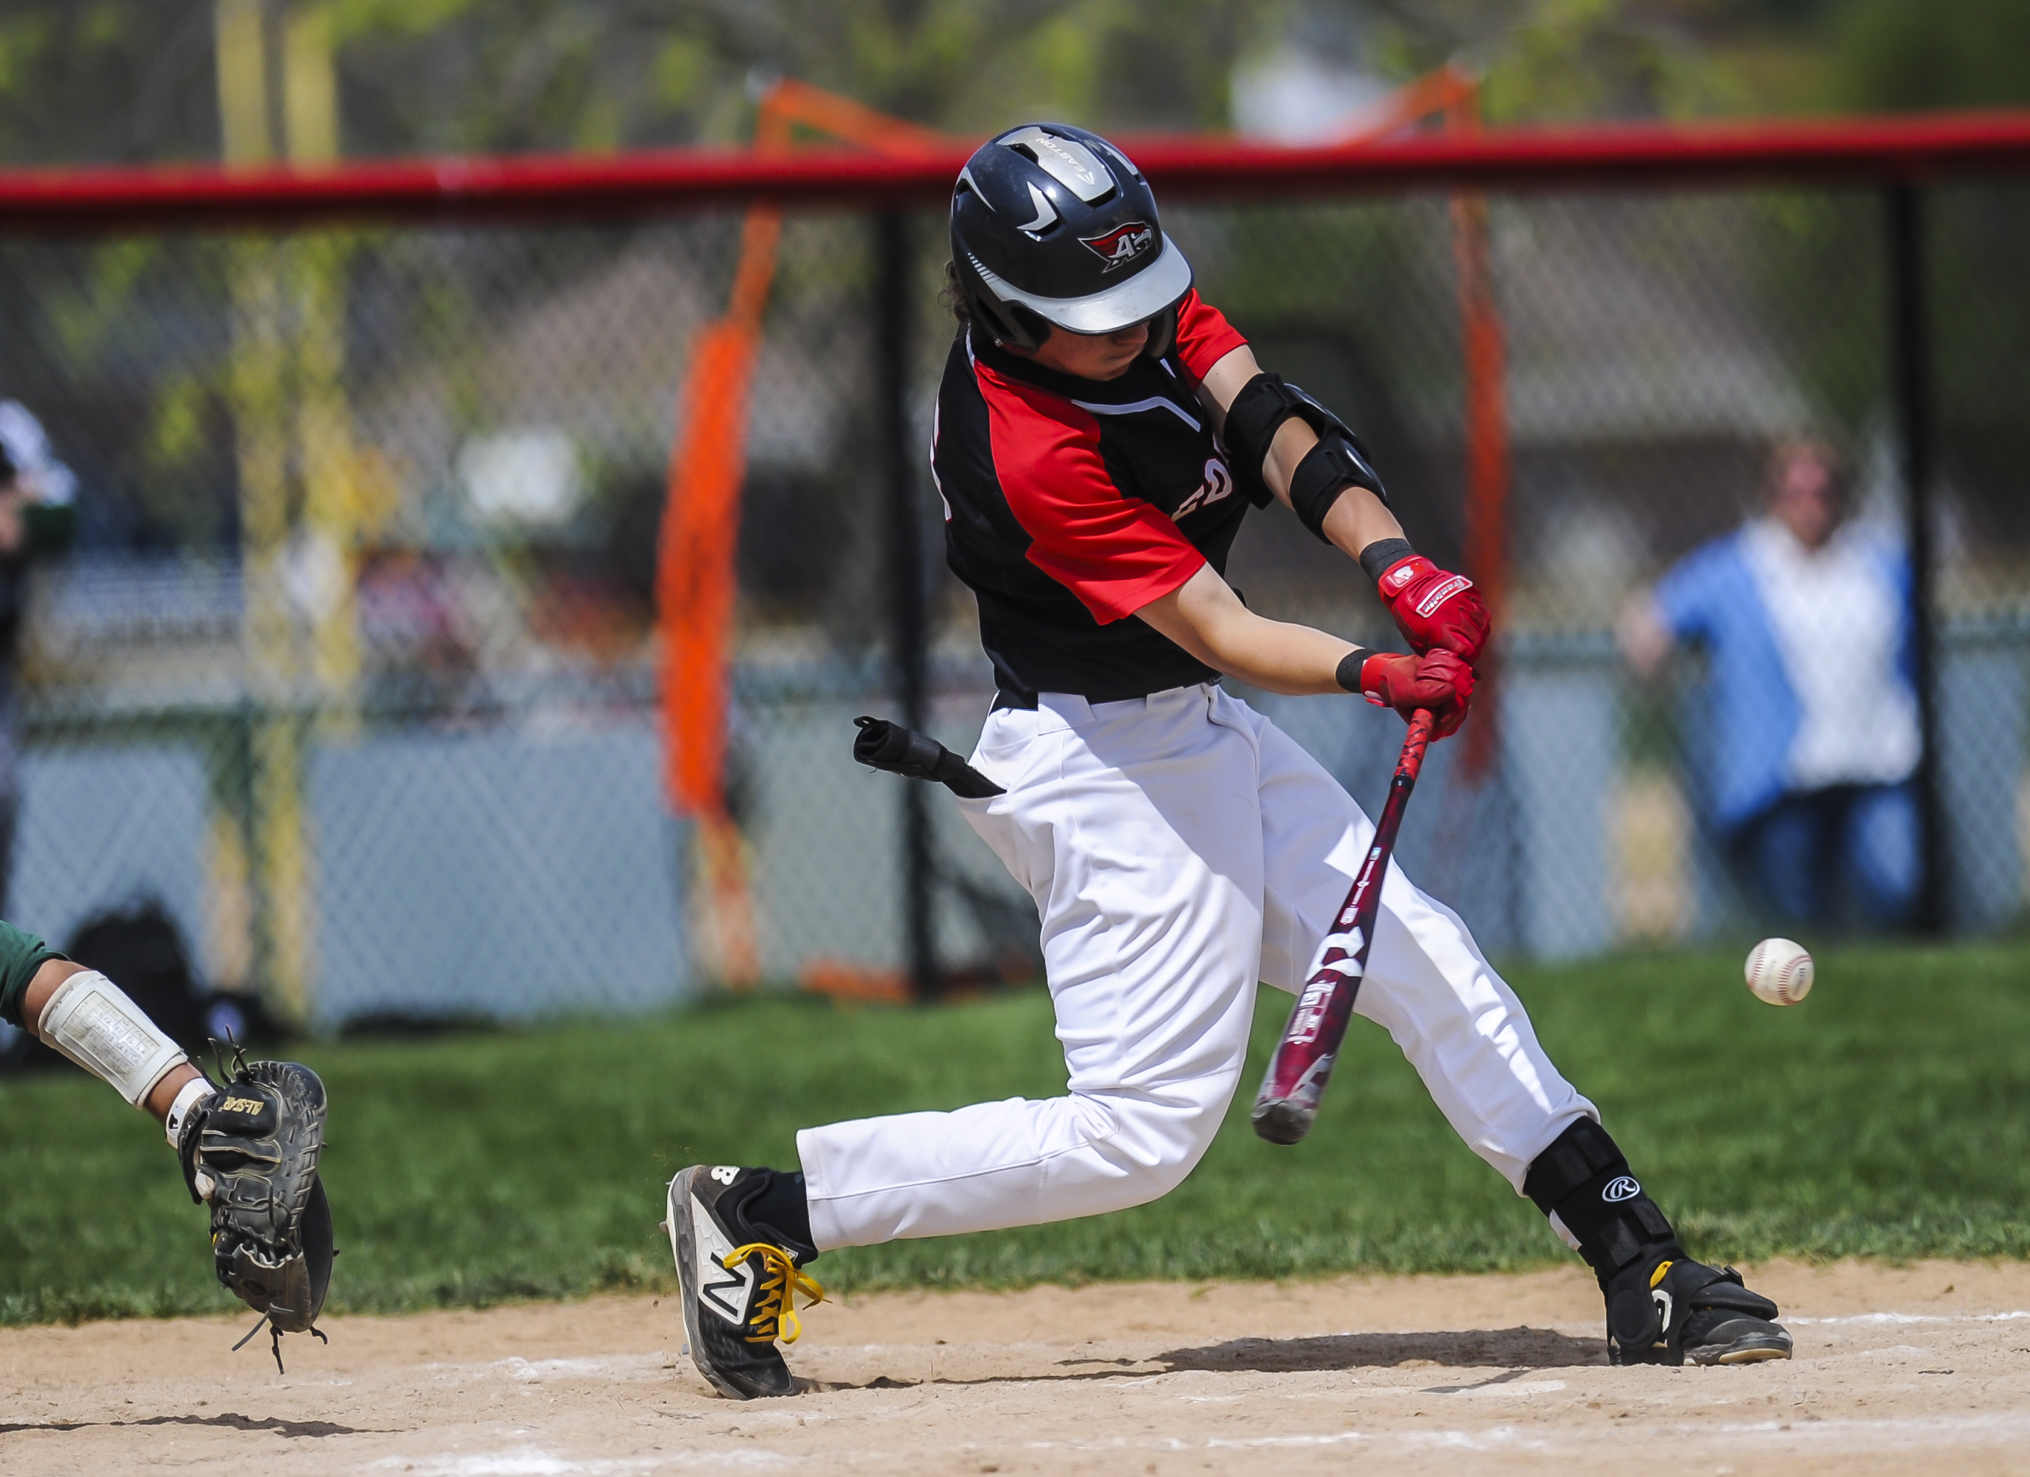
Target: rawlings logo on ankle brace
<point>1619,1189</point>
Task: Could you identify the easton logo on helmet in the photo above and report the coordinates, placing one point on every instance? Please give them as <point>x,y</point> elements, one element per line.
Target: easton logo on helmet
<point>1122,244</point>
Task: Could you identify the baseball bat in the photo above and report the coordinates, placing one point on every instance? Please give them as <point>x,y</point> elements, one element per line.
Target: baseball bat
<point>1287,1105</point>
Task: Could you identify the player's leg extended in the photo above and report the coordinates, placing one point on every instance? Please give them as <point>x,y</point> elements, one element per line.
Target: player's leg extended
<point>1470,1040</point>
<point>1134,828</point>
<point>1428,984</point>
<point>1136,834</point>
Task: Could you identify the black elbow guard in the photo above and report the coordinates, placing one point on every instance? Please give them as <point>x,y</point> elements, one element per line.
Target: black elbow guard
<point>1336,463</point>
<point>1328,469</point>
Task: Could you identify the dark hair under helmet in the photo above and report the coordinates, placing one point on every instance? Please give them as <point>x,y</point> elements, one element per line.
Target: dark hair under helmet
<point>1052,224</point>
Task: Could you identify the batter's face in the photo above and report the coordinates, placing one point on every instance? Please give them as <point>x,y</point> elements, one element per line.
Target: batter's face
<point>1092,356</point>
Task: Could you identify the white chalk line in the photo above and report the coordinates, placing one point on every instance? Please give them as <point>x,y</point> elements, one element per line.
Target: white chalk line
<point>1943,1432</point>
<point>534,1461</point>
<point>617,1368</point>
<point>2010,1317</point>
<point>1489,1439</point>
<point>621,1366</point>
<point>1935,1432</point>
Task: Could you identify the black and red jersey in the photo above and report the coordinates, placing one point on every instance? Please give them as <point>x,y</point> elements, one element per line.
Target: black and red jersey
<point>1071,503</point>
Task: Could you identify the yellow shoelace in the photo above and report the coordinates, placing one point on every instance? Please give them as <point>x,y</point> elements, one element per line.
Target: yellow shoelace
<point>775,1314</point>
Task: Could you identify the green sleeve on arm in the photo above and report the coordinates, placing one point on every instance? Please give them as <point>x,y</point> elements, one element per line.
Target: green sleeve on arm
<point>21,954</point>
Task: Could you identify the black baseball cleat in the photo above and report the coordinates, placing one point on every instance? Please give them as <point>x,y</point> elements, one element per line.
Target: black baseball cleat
<point>1675,1309</point>
<point>739,1283</point>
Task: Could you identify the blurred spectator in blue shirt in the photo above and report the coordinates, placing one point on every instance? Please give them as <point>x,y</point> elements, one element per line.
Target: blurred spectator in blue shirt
<point>1813,737</point>
<point>36,517</point>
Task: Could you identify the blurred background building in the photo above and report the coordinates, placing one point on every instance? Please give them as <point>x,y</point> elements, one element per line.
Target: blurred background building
<point>354,666</point>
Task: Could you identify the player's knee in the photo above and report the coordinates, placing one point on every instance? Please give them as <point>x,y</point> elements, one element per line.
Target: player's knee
<point>1159,1138</point>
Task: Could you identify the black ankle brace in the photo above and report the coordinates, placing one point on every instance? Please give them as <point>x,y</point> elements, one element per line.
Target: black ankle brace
<point>1583,1179</point>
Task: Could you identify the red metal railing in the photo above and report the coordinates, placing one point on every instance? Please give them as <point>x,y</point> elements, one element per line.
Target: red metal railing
<point>1911,149</point>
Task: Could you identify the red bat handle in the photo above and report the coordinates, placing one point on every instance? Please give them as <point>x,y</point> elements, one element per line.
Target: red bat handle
<point>1287,1105</point>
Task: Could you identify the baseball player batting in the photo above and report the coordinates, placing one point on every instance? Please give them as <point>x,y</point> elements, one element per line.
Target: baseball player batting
<point>1101,431</point>
<point>249,1149</point>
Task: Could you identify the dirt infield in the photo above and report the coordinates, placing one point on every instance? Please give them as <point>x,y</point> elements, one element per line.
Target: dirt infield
<point>1896,1368</point>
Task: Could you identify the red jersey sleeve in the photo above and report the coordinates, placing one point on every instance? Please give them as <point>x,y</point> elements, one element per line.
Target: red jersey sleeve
<point>1115,553</point>
<point>1204,337</point>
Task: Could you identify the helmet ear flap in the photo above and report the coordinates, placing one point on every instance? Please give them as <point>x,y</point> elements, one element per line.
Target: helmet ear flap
<point>1032,329</point>
<point>1007,323</point>
<point>1162,333</point>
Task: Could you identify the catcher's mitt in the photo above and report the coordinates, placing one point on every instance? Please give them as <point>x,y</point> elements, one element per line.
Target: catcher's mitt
<point>250,1152</point>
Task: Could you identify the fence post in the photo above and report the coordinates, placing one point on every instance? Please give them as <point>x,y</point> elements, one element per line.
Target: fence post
<point>1910,380</point>
<point>907,633</point>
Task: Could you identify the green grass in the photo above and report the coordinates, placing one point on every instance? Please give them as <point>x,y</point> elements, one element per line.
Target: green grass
<point>1888,1115</point>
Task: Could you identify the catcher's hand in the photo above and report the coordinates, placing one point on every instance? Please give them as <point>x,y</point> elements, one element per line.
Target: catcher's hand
<point>250,1152</point>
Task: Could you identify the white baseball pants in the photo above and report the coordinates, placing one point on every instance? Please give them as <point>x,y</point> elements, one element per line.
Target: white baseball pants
<point>1180,848</point>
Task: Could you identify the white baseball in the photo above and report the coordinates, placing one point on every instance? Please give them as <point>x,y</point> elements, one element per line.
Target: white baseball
<point>1779,972</point>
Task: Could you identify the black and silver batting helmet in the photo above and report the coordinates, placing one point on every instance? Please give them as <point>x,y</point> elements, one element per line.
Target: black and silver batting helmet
<point>1052,224</point>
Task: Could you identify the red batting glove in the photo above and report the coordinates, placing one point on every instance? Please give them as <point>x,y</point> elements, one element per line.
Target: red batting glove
<point>1435,609</point>
<point>1438,680</point>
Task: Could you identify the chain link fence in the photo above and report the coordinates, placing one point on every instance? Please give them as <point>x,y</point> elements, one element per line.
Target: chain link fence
<point>351,663</point>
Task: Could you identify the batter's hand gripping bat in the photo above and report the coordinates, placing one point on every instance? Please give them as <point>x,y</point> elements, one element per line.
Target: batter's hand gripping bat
<point>1288,1102</point>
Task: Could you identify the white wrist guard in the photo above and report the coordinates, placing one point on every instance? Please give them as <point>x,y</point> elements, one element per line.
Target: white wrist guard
<point>195,1091</point>
<point>90,1020</point>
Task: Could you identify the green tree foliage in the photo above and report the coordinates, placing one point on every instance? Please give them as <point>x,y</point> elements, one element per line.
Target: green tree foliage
<point>1571,59</point>
<point>1940,54</point>
<point>610,73</point>
<point>111,80</point>
<point>105,81</point>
